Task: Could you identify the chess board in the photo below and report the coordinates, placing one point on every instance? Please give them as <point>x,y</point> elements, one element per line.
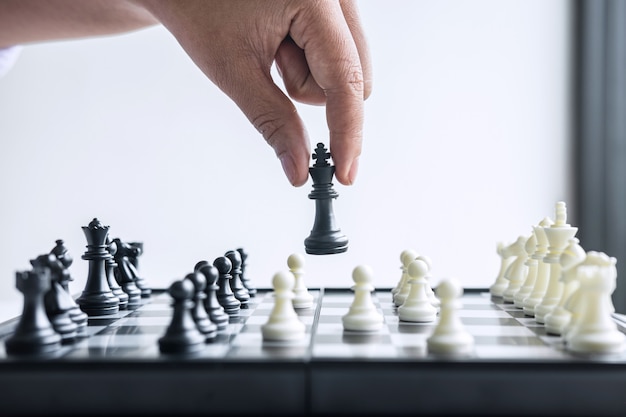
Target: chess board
<point>516,368</point>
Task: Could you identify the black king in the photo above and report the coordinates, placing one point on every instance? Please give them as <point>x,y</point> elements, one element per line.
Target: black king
<point>325,238</point>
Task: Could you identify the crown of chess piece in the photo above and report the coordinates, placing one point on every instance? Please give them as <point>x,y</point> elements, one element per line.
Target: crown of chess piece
<point>326,237</point>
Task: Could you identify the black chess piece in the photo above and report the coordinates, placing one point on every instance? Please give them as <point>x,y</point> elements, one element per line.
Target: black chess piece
<point>110,266</point>
<point>245,280</point>
<point>34,333</point>
<point>239,291</point>
<point>132,251</point>
<point>55,299</point>
<point>77,315</point>
<point>97,299</point>
<point>182,334</point>
<point>225,295</point>
<point>135,250</point>
<point>124,276</point>
<point>213,308</point>
<point>198,311</point>
<point>326,237</point>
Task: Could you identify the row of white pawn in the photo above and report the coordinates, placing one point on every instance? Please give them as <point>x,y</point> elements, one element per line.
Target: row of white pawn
<point>419,304</point>
<point>553,279</point>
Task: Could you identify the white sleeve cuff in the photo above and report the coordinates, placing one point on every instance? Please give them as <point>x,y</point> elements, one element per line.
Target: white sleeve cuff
<point>8,56</point>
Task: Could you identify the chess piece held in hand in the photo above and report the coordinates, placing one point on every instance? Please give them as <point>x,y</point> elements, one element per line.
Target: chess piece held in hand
<point>326,237</point>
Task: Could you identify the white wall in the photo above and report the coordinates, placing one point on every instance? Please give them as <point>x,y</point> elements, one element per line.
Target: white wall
<point>466,145</point>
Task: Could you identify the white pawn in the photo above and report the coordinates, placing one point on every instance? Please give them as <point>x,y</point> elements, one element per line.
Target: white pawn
<point>401,296</point>
<point>302,297</point>
<point>417,306</point>
<point>283,323</point>
<point>449,335</point>
<point>407,253</point>
<point>363,315</point>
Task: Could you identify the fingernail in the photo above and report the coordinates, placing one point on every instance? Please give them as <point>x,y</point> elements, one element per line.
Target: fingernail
<point>354,169</point>
<point>289,167</point>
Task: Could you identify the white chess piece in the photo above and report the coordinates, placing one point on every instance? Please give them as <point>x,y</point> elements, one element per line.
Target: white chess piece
<point>543,269</point>
<point>363,314</point>
<point>417,306</point>
<point>499,285</point>
<point>449,335</point>
<point>400,297</point>
<point>558,236</point>
<point>408,254</point>
<point>283,323</point>
<point>596,332</point>
<point>531,273</point>
<point>403,287</point>
<point>559,318</point>
<point>516,272</point>
<point>302,297</point>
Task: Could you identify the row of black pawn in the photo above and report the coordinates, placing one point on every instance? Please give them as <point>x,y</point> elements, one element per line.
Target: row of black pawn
<point>204,302</point>
<point>51,317</point>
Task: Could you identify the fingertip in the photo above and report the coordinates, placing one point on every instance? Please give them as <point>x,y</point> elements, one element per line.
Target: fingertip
<point>296,175</point>
<point>347,175</point>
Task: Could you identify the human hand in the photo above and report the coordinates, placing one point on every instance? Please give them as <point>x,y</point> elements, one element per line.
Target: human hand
<point>320,52</point>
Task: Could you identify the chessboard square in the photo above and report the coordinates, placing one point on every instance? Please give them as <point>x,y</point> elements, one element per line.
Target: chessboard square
<point>151,313</point>
<point>518,352</point>
<point>480,306</point>
<point>505,341</point>
<point>483,313</point>
<point>257,320</point>
<point>164,306</point>
<point>144,321</point>
<point>413,328</point>
<point>403,340</point>
<point>330,319</point>
<point>497,331</point>
<point>101,321</point>
<point>133,330</point>
<point>325,328</point>
<point>490,321</point>
<point>336,300</point>
<point>370,338</point>
<point>117,352</point>
<point>354,351</point>
<point>122,340</point>
<point>517,313</point>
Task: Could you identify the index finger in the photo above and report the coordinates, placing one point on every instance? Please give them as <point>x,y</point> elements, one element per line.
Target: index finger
<point>332,54</point>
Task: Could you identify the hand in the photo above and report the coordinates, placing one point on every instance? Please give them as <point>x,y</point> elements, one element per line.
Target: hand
<point>320,52</point>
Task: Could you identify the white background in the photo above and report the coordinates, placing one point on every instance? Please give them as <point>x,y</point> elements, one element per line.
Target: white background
<point>466,144</point>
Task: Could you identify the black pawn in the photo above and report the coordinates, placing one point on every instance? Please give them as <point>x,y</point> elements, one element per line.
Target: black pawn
<point>55,302</point>
<point>97,299</point>
<point>212,306</point>
<point>182,334</point>
<point>34,333</point>
<point>62,254</point>
<point>239,291</point>
<point>326,237</point>
<point>245,280</point>
<point>110,266</point>
<point>225,295</point>
<point>198,311</point>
